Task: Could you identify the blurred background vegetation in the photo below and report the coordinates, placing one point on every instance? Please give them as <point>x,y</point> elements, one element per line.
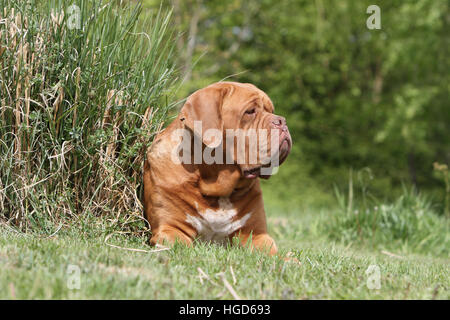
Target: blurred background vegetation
<point>375,102</point>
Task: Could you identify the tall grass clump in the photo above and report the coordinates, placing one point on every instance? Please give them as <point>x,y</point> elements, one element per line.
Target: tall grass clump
<point>83,90</point>
<point>410,222</point>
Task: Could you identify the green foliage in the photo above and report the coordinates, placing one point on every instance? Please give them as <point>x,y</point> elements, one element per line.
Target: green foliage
<point>353,97</point>
<point>444,173</point>
<point>78,106</point>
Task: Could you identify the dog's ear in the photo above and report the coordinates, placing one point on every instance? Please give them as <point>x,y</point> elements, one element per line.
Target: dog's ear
<point>204,105</point>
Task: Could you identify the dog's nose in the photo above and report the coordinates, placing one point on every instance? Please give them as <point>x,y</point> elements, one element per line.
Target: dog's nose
<point>279,122</point>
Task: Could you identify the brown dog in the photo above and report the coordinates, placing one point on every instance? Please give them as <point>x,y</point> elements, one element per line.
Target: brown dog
<point>214,201</point>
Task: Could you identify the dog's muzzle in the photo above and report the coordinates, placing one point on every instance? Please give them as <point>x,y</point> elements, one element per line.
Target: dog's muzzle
<point>284,148</point>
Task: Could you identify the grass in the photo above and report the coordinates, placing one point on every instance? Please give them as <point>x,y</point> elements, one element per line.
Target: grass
<point>79,104</point>
<point>410,221</point>
<point>35,266</point>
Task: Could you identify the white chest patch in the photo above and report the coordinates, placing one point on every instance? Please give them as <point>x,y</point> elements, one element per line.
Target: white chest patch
<point>217,225</point>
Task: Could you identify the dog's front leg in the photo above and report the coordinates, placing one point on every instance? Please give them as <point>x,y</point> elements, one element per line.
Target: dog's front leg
<point>169,235</point>
<point>262,242</point>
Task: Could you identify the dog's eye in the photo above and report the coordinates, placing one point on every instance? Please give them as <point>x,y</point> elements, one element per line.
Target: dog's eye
<point>250,111</point>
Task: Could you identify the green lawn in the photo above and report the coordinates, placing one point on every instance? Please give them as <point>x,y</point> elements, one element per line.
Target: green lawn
<point>36,267</point>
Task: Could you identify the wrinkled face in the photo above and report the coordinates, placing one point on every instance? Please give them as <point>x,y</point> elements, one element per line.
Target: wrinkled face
<point>262,138</point>
<point>251,135</point>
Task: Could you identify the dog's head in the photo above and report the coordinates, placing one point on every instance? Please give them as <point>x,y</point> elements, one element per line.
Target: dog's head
<point>236,121</point>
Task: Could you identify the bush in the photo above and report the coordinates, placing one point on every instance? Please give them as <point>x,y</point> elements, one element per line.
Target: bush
<point>83,90</point>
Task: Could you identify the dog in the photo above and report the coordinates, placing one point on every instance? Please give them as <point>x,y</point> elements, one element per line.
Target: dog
<point>222,199</point>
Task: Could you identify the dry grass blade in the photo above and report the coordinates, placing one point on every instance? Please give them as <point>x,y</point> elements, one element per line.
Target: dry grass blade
<point>202,274</point>
<point>390,254</point>
<point>230,288</point>
<point>162,248</point>
<point>232,274</point>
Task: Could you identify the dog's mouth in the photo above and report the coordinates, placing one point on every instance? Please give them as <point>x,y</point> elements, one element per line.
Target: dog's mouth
<point>265,171</point>
<point>252,173</point>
